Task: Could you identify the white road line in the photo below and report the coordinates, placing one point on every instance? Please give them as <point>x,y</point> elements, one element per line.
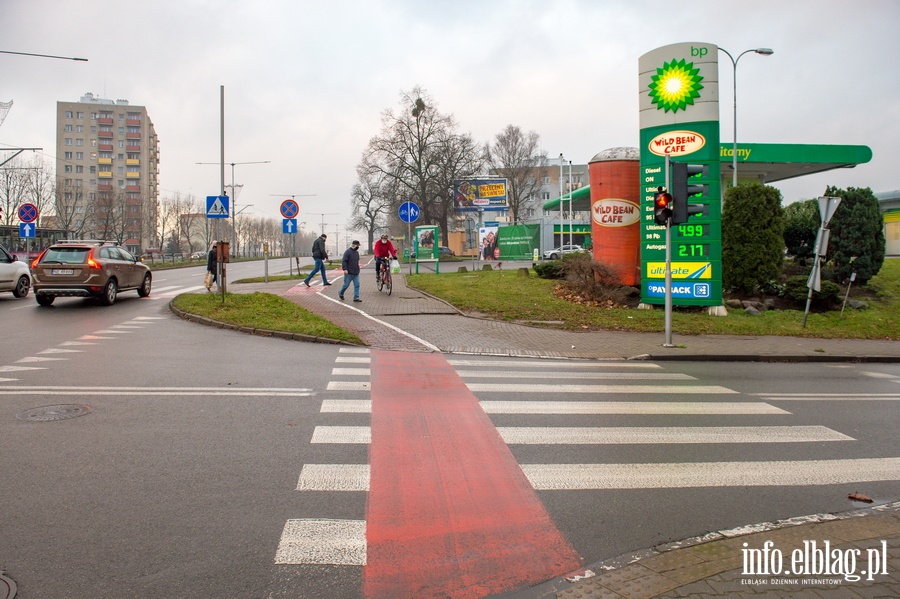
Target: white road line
<point>17,368</point>
<point>658,435</point>
<point>879,375</point>
<point>94,337</point>
<point>353,350</point>
<point>359,435</point>
<point>549,477</point>
<point>349,386</point>
<point>161,391</point>
<point>829,396</point>
<point>351,360</point>
<point>149,318</point>
<point>628,407</point>
<point>327,542</point>
<point>54,350</point>
<point>111,332</point>
<point>619,435</point>
<point>538,388</point>
<point>552,364</point>
<point>334,477</point>
<point>630,376</point>
<point>419,340</point>
<point>678,475</point>
<point>352,406</point>
<point>67,343</point>
<point>346,406</point>
<point>39,359</point>
<point>164,289</point>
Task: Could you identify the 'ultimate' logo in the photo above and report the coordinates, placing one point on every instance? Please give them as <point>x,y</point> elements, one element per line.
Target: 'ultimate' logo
<point>675,85</point>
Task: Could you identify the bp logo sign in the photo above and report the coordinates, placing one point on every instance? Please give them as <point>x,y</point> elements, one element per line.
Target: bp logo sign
<point>675,85</point>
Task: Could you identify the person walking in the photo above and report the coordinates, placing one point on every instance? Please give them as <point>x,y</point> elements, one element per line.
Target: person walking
<point>212,266</point>
<point>350,266</point>
<point>320,255</point>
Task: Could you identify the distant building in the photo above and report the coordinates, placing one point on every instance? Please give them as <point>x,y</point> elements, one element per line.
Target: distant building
<point>889,201</point>
<point>108,170</point>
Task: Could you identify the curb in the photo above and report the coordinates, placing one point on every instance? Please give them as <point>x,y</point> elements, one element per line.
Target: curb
<point>253,331</point>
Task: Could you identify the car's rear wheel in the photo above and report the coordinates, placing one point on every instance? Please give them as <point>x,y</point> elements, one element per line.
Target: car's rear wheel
<point>43,299</point>
<point>554,256</point>
<point>109,293</point>
<point>22,285</point>
<point>144,289</point>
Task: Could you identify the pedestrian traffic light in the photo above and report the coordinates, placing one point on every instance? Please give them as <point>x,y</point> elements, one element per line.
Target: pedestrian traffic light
<point>662,206</point>
<point>683,190</point>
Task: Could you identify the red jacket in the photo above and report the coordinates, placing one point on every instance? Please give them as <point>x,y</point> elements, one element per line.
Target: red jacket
<point>383,250</point>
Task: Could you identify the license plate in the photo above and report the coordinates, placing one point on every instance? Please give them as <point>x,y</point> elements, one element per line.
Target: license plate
<point>62,271</point>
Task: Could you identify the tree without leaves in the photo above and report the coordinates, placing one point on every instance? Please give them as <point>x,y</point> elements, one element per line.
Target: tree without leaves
<point>421,150</point>
<point>372,200</point>
<point>517,157</point>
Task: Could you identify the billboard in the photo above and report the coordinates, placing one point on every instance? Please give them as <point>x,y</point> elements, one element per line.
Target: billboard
<point>426,242</point>
<point>471,195</point>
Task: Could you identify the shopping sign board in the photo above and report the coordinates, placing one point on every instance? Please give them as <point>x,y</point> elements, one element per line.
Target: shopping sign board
<point>679,117</point>
<point>426,242</point>
<point>471,195</point>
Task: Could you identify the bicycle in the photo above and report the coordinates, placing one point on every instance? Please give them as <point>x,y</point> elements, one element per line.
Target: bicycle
<point>383,276</point>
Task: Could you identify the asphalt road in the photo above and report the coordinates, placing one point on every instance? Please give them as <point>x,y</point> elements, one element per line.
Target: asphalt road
<point>181,477</point>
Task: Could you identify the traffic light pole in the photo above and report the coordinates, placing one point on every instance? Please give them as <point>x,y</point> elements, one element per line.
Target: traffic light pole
<point>668,300</point>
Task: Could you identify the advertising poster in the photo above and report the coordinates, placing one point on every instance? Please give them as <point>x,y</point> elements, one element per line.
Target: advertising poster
<point>487,241</point>
<point>517,242</point>
<point>472,195</point>
<point>426,242</point>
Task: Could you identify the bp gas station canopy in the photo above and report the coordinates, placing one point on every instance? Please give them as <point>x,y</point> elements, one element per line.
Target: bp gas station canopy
<point>766,163</point>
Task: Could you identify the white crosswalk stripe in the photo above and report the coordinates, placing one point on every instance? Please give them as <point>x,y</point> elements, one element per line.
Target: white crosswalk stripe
<point>565,389</point>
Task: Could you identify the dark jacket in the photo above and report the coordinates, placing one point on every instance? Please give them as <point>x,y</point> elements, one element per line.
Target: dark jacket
<point>318,249</point>
<point>211,261</point>
<point>350,261</point>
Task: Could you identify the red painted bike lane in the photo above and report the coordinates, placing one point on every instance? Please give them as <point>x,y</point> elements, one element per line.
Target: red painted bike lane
<point>450,513</point>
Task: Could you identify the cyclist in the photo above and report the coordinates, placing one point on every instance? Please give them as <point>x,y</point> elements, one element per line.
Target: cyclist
<point>383,249</point>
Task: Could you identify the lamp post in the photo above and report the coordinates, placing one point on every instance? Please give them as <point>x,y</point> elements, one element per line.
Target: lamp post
<point>734,61</point>
<point>562,230</point>
<point>233,200</point>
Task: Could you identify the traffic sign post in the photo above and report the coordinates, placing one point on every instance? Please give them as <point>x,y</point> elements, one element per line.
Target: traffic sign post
<point>290,208</point>
<point>28,213</point>
<point>408,213</point>
<point>289,226</point>
<point>27,230</point>
<point>216,206</point>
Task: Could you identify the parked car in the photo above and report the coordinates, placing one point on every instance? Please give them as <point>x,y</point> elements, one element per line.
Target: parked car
<point>14,274</point>
<point>445,251</point>
<point>88,268</point>
<point>557,253</point>
<point>198,256</point>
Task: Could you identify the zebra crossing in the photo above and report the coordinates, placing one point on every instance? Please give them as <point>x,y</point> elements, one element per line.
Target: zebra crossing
<point>580,389</point>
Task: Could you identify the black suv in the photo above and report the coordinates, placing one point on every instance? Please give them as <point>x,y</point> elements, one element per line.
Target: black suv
<point>88,268</point>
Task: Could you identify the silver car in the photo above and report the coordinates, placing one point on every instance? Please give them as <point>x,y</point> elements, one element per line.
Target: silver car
<point>557,253</point>
<point>13,274</point>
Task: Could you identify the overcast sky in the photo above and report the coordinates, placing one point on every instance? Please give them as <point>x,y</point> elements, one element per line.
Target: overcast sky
<point>306,82</point>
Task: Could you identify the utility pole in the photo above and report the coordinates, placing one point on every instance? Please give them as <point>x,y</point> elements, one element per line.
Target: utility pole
<point>234,194</point>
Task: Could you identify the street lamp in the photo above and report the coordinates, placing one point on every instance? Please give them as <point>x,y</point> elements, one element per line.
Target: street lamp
<point>562,230</point>
<point>734,61</point>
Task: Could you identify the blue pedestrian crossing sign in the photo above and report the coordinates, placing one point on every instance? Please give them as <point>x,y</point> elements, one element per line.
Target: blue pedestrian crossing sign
<point>216,206</point>
<point>409,212</point>
<point>289,226</point>
<point>27,230</point>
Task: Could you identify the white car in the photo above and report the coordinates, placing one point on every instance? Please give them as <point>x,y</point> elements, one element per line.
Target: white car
<point>557,253</point>
<point>14,274</point>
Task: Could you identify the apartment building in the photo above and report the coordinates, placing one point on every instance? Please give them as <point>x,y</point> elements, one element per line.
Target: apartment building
<point>107,171</point>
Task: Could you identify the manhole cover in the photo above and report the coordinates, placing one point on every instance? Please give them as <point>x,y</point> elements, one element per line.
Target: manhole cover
<point>51,413</point>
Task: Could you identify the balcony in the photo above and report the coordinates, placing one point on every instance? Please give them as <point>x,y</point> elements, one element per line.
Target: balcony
<point>132,135</point>
<point>132,175</point>
<point>105,121</point>
<point>105,147</point>
<point>104,187</point>
<point>132,148</point>
<point>133,161</point>
<point>104,161</point>
<point>105,174</point>
<point>105,134</point>
<point>133,122</point>
<point>132,188</point>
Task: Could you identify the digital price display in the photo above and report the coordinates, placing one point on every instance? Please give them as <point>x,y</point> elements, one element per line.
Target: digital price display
<point>692,231</point>
<point>692,250</point>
